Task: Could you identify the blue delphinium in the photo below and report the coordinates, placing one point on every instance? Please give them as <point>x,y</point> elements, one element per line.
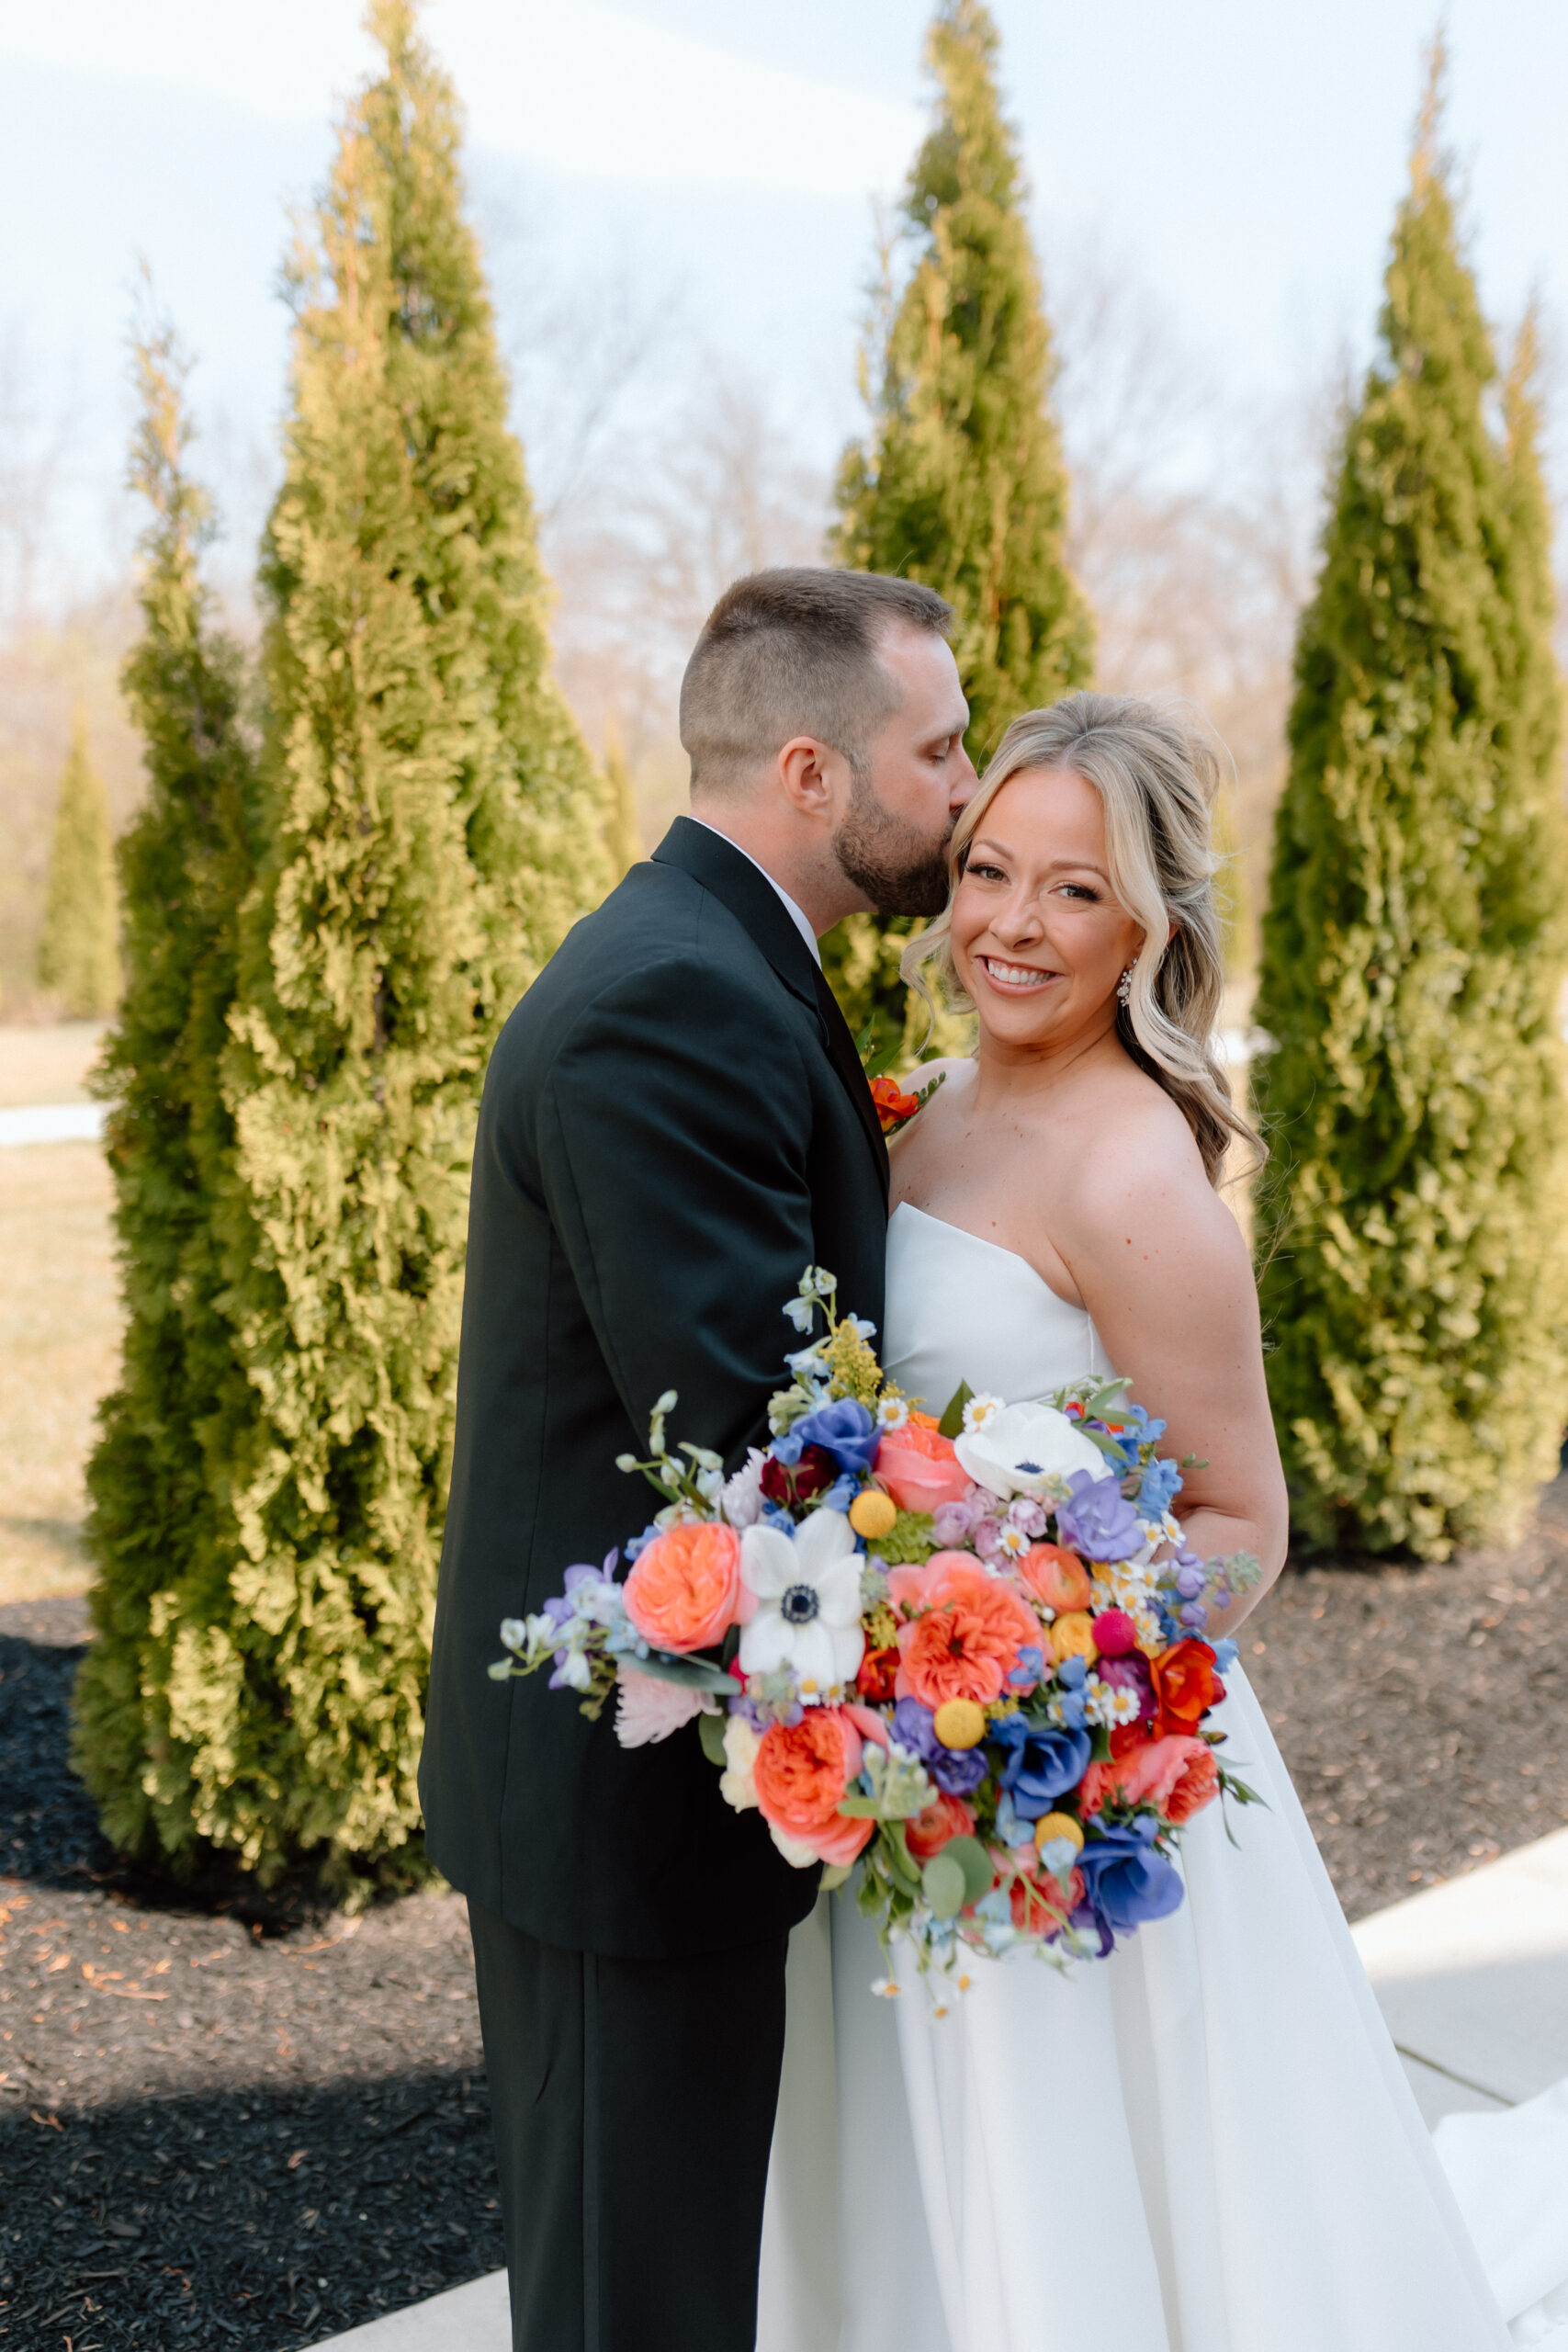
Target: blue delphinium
<point>845,1429</point>
<point>1040,1764</point>
<point>1126,1882</point>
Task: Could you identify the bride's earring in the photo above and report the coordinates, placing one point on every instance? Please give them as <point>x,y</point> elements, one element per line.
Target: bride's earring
<point>1124,986</point>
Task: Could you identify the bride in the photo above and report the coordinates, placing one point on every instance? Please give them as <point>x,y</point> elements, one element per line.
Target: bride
<point>1206,2142</point>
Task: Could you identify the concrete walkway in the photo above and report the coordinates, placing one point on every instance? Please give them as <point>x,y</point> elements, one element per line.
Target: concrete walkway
<point>53,1122</point>
<point>1473,1977</point>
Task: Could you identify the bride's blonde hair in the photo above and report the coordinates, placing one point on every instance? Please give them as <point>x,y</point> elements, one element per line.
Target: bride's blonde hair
<point>1157,781</point>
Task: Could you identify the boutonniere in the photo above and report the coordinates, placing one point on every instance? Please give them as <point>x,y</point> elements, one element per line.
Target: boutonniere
<point>895,1106</point>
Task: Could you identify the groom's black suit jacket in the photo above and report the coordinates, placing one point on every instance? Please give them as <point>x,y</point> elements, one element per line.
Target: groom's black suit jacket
<point>675,1125</point>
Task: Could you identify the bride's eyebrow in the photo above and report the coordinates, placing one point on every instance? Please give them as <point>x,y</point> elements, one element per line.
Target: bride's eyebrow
<point>1058,865</point>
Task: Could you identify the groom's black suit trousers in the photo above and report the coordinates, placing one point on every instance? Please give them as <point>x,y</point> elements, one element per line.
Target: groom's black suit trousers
<point>633,2103</point>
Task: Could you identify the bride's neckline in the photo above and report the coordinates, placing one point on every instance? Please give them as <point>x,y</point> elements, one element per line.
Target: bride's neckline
<point>996,1250</point>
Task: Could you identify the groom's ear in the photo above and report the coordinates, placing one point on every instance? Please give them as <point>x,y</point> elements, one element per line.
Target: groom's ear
<point>814,777</point>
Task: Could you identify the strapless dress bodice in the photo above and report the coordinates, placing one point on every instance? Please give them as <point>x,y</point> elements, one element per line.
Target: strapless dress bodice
<point>960,1308</point>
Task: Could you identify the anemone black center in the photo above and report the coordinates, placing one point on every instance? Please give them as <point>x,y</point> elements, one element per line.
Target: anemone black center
<point>1032,1468</point>
<point>798,1604</point>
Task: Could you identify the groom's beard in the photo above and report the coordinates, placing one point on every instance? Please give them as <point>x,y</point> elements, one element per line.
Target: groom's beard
<point>899,869</point>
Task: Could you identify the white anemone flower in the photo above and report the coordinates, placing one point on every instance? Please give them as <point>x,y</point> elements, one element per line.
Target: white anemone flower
<point>807,1589</point>
<point>1019,1450</point>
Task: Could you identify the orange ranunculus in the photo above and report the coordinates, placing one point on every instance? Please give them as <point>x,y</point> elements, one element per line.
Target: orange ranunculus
<point>893,1105</point>
<point>1040,1908</point>
<point>1057,1577</point>
<point>802,1770</point>
<point>919,1468</point>
<point>1198,1786</point>
<point>1185,1685</point>
<point>876,1674</point>
<point>930,1831</point>
<point>683,1592</point>
<point>1146,1775</point>
<point>967,1640</point>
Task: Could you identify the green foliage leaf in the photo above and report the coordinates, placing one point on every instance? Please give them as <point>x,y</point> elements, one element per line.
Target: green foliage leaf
<point>951,1422</point>
<point>710,1731</point>
<point>943,1883</point>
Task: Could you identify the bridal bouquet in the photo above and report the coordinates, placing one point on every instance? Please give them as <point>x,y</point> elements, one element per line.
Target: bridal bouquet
<point>966,1653</point>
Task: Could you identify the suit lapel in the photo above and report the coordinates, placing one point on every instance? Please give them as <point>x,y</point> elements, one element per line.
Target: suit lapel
<point>741,887</point>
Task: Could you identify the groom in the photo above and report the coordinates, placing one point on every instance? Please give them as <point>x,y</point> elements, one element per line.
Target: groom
<point>675,1125</point>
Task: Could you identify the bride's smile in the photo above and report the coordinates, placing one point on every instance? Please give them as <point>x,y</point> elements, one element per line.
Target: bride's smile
<point>1039,941</point>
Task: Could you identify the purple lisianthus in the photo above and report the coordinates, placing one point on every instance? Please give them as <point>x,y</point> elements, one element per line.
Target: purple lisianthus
<point>1098,1520</point>
<point>1131,1673</point>
<point>1126,1882</point>
<point>1041,1764</point>
<point>845,1429</point>
<point>951,1523</point>
<point>957,1770</point>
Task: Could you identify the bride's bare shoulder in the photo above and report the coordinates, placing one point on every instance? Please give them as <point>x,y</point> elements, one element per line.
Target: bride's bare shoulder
<point>1137,1170</point>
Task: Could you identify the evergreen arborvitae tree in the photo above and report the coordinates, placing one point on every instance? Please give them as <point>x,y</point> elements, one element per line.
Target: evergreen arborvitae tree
<point>185,864</point>
<point>432,826</point>
<point>1410,1225</point>
<point>624,835</point>
<point>962,482</point>
<point>78,956</point>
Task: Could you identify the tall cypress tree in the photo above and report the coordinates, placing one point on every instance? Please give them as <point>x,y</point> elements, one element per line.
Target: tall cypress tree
<point>1413,1272</point>
<point>184,865</point>
<point>433,824</point>
<point>78,957</point>
<point>961,483</point>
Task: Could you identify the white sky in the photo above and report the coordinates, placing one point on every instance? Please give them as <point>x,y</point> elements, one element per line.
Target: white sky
<point>1245,155</point>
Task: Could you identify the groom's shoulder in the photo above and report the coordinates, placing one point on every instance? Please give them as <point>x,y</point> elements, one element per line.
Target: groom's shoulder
<point>661,947</point>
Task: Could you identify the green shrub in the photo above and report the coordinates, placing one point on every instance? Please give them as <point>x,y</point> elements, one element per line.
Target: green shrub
<point>1410,1225</point>
<point>960,483</point>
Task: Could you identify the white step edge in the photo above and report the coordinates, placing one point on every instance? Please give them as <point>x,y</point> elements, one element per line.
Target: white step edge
<point>53,1122</point>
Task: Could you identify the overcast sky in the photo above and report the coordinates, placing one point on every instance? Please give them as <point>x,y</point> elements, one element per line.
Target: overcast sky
<point>1243,158</point>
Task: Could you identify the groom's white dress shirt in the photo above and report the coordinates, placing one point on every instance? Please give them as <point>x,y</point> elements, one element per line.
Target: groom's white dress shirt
<point>789,906</point>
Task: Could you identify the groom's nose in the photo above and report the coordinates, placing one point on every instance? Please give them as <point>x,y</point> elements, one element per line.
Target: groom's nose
<point>965,781</point>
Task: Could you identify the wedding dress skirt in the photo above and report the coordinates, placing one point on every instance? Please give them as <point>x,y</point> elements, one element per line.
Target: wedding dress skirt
<point>1205,2143</point>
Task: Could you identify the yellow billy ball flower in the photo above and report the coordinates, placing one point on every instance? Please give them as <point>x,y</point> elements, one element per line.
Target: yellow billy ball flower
<point>1052,1825</point>
<point>1072,1636</point>
<point>873,1514</point>
<point>960,1723</point>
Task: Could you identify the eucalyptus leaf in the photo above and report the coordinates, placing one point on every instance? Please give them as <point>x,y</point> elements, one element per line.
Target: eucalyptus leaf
<point>943,1884</point>
<point>710,1731</point>
<point>952,1421</point>
<point>974,1864</point>
<point>690,1673</point>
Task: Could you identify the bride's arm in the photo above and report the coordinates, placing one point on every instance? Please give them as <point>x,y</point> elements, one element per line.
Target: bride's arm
<point>1162,1267</point>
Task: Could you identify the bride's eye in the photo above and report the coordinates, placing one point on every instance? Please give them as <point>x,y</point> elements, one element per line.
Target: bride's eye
<point>984,873</point>
<point>1080,890</point>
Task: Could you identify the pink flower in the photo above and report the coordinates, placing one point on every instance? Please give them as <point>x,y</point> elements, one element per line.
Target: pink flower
<point>648,1708</point>
<point>1149,1774</point>
<point>920,1469</point>
<point>685,1592</point>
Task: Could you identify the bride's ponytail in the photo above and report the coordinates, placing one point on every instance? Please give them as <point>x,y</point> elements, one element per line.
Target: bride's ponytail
<point>1156,780</point>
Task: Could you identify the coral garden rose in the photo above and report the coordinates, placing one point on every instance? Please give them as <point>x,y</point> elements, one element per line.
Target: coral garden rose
<point>1198,1786</point>
<point>930,1831</point>
<point>1149,1775</point>
<point>919,1468</point>
<point>1053,1575</point>
<point>1041,1906</point>
<point>685,1591</point>
<point>966,1642</point>
<point>801,1772</point>
<point>1187,1685</point>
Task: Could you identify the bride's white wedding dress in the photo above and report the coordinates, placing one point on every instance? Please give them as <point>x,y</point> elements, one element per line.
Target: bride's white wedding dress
<point>1205,2143</point>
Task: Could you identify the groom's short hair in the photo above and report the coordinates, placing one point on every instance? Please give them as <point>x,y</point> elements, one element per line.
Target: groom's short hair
<point>794,652</point>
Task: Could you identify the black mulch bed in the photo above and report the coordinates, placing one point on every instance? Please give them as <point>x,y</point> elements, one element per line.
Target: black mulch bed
<point>225,2123</point>
<point>221,2123</point>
